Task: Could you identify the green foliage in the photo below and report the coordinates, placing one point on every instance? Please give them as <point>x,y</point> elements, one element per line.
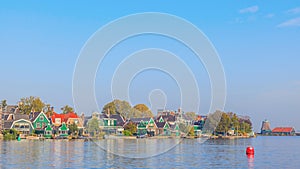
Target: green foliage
<point>127,133</point>
<point>131,127</point>
<point>93,126</point>
<point>73,128</point>
<point>212,122</point>
<point>124,109</point>
<point>110,108</point>
<point>67,109</point>
<point>191,115</point>
<point>224,124</point>
<point>28,104</point>
<point>231,121</point>
<point>3,104</point>
<point>10,134</point>
<point>143,111</point>
<point>191,131</point>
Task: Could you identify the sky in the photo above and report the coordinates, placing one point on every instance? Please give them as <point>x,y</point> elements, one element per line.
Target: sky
<point>257,42</point>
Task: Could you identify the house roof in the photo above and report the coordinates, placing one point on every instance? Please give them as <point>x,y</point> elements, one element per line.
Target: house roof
<point>63,117</point>
<point>7,124</point>
<point>119,118</point>
<point>160,124</point>
<point>169,118</point>
<point>10,109</point>
<point>19,116</point>
<point>282,129</point>
<point>137,120</point>
<point>34,115</point>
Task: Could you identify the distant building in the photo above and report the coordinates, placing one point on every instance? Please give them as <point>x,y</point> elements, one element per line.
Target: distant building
<point>265,128</point>
<point>283,131</point>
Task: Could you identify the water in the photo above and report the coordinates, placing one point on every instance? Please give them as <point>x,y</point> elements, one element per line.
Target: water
<point>270,152</point>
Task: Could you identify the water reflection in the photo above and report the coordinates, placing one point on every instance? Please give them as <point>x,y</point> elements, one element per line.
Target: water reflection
<point>270,152</point>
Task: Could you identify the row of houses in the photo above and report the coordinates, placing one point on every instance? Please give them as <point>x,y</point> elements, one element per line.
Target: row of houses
<point>166,123</point>
<point>50,125</point>
<point>40,123</point>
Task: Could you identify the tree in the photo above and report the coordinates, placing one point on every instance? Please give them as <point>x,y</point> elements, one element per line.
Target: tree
<point>73,128</point>
<point>67,109</point>
<point>191,115</point>
<point>28,104</point>
<point>3,104</point>
<point>191,131</point>
<point>224,124</point>
<point>144,111</point>
<point>124,109</point>
<point>229,120</point>
<point>93,126</point>
<point>131,127</point>
<point>212,122</point>
<point>118,107</point>
<point>111,107</point>
<point>141,107</point>
<point>235,123</point>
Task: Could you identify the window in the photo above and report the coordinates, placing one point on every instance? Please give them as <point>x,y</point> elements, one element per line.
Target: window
<point>38,125</point>
<point>41,118</point>
<point>57,120</point>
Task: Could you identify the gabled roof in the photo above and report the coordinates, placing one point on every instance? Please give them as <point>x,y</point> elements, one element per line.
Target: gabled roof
<point>28,121</point>
<point>34,115</point>
<point>63,127</point>
<point>63,117</point>
<point>282,130</point>
<point>10,109</point>
<point>16,116</point>
<point>160,124</point>
<point>169,118</point>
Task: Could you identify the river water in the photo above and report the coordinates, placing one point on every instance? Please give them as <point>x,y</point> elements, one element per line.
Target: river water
<point>270,152</point>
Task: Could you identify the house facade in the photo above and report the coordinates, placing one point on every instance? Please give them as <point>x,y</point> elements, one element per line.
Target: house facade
<point>111,124</point>
<point>23,126</point>
<point>48,131</point>
<point>63,130</point>
<point>39,122</point>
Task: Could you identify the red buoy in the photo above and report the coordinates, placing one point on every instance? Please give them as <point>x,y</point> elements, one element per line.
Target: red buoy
<point>250,150</point>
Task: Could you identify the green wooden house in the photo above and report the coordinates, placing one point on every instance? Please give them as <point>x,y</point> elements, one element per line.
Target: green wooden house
<point>163,128</point>
<point>145,126</point>
<point>167,131</point>
<point>39,121</point>
<point>175,130</point>
<point>112,124</point>
<point>63,130</point>
<point>142,128</point>
<point>48,131</point>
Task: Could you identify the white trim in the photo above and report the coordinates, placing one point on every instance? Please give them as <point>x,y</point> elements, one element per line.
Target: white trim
<point>44,117</point>
<point>21,120</point>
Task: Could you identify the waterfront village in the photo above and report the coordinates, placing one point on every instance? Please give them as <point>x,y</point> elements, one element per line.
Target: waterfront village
<point>166,124</point>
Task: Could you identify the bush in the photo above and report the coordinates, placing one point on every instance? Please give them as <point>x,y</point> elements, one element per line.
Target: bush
<point>10,134</point>
<point>127,133</point>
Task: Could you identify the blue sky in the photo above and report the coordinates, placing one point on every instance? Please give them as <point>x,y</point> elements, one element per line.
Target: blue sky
<point>257,41</point>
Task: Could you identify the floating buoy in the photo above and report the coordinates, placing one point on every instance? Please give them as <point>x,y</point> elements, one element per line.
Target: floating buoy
<point>250,150</point>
